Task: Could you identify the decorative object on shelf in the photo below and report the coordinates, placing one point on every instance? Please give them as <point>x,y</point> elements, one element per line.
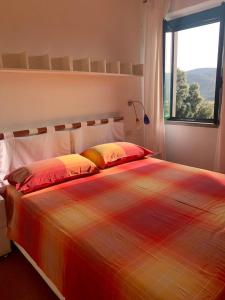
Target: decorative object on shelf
<point>146,118</point>
<point>113,67</point>
<point>98,66</point>
<point>126,68</point>
<point>40,62</point>
<point>138,69</point>
<point>82,65</point>
<point>61,63</point>
<point>17,62</point>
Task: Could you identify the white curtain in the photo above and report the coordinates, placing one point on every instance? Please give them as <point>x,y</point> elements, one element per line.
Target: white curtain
<point>220,147</point>
<point>154,135</point>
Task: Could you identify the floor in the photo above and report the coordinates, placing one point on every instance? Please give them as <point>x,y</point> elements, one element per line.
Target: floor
<point>20,281</point>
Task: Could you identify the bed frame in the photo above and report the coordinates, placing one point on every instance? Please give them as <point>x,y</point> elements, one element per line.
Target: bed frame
<point>41,273</point>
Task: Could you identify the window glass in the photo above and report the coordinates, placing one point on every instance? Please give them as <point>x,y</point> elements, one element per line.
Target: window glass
<point>193,66</point>
<point>197,53</point>
<point>168,73</point>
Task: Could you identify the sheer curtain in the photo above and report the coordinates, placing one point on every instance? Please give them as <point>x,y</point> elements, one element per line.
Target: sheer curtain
<point>220,147</point>
<point>154,135</point>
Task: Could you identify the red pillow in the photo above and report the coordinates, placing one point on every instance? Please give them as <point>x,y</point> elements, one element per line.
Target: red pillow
<point>51,171</point>
<point>111,154</point>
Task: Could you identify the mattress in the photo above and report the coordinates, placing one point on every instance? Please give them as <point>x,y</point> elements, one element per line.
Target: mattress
<point>148,229</point>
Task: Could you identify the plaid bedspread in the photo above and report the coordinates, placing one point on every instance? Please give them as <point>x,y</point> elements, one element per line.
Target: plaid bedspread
<point>149,229</point>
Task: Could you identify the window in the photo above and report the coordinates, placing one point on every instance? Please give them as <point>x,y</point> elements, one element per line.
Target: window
<point>193,66</point>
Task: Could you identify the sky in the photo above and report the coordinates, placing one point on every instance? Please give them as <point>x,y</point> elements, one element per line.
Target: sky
<point>197,47</point>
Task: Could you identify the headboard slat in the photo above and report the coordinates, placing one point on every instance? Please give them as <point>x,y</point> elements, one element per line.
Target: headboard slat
<point>41,130</point>
<point>118,119</point>
<point>21,133</point>
<point>76,125</point>
<point>91,123</point>
<point>60,127</point>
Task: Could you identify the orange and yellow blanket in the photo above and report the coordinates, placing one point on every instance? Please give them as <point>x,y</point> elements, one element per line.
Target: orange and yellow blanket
<point>148,229</point>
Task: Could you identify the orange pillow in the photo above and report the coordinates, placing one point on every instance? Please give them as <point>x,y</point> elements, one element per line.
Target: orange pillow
<point>112,154</point>
<point>51,171</point>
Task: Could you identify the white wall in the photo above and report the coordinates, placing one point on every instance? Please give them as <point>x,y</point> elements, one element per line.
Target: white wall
<point>191,145</point>
<point>110,29</point>
<point>31,100</point>
<point>98,28</point>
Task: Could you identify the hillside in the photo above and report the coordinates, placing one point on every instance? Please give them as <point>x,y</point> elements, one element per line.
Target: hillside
<point>206,78</point>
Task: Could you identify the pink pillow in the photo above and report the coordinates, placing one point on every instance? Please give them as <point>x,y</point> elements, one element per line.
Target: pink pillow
<point>112,154</point>
<point>51,171</point>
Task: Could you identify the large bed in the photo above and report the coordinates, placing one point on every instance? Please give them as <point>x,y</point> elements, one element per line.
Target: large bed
<point>147,229</point>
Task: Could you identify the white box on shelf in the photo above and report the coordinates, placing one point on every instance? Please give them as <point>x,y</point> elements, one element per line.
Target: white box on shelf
<point>40,62</point>
<point>98,66</point>
<point>113,67</point>
<point>126,68</point>
<point>61,63</point>
<point>83,65</point>
<point>138,69</point>
<point>15,60</point>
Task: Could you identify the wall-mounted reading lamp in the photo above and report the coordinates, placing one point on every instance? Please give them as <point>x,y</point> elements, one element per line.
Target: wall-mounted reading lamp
<point>146,118</point>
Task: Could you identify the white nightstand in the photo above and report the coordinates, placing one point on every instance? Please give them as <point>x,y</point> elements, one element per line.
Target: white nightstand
<point>156,155</point>
<point>5,247</point>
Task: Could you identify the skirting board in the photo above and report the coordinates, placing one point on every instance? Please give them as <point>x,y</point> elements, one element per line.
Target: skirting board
<point>42,274</point>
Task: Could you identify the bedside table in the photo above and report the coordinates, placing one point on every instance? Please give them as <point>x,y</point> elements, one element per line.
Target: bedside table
<point>155,155</point>
<point>5,247</point>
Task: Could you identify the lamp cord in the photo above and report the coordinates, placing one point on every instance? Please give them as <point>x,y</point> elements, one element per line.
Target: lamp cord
<point>139,102</point>
<point>135,111</point>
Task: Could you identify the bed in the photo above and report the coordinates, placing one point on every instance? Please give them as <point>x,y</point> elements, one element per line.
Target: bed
<point>147,229</point>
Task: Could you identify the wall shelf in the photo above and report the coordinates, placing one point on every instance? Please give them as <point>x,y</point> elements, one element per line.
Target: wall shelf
<point>79,73</point>
<point>20,62</point>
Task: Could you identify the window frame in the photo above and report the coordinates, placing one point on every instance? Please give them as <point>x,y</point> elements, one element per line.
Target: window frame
<point>206,17</point>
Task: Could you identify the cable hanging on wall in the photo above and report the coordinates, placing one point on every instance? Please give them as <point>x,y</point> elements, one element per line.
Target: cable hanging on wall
<point>146,119</point>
